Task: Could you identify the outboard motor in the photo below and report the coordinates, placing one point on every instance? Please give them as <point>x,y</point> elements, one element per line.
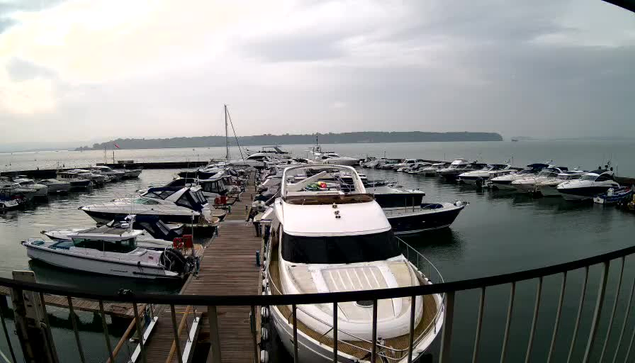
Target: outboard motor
<point>173,260</point>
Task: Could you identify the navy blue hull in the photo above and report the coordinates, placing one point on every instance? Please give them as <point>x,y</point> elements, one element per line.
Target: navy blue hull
<point>416,223</point>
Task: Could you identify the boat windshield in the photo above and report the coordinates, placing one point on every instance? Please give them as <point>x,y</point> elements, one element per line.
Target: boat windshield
<point>146,201</point>
<point>591,177</point>
<point>123,246</point>
<point>339,249</point>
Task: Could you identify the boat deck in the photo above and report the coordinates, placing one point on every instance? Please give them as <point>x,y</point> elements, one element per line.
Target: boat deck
<point>359,349</point>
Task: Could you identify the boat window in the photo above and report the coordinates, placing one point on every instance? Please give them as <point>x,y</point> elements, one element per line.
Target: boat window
<point>145,201</point>
<point>123,246</point>
<point>589,177</point>
<point>340,249</point>
<point>604,177</point>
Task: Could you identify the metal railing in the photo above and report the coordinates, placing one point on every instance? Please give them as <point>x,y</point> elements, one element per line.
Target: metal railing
<point>602,323</point>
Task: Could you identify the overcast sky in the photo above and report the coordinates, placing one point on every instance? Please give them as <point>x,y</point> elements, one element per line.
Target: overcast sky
<point>85,70</point>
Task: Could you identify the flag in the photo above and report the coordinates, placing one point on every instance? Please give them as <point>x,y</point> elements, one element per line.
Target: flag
<point>117,146</point>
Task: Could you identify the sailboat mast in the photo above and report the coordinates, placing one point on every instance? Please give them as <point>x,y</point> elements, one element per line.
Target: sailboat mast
<point>226,136</point>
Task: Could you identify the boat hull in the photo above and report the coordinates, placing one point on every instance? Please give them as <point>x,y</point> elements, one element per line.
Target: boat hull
<point>503,185</point>
<point>67,261</point>
<point>422,220</point>
<point>105,217</point>
<point>549,190</point>
<point>588,193</point>
<point>394,200</point>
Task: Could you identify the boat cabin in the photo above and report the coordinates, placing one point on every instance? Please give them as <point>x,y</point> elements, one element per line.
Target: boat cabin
<point>106,239</point>
<point>188,197</point>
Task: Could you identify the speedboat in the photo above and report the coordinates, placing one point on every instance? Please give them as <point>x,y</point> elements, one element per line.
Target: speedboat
<point>335,240</point>
<point>431,170</point>
<point>549,187</point>
<point>99,180</point>
<point>422,218</point>
<point>56,186</point>
<point>481,176</point>
<point>588,186</point>
<point>114,175</point>
<point>505,182</point>
<point>8,203</point>
<point>457,167</point>
<point>528,184</point>
<point>39,190</point>
<point>111,251</point>
<point>406,163</point>
<point>416,168</point>
<point>330,157</point>
<point>185,205</point>
<point>131,173</point>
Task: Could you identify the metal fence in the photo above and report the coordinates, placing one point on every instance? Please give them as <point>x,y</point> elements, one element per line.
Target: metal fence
<point>595,349</point>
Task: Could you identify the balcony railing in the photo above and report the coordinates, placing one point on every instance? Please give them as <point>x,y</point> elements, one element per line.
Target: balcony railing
<point>602,338</point>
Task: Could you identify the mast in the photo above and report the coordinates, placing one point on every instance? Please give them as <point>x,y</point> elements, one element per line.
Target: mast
<point>226,136</point>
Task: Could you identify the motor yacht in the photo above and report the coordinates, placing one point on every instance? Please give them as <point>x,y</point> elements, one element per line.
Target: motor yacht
<point>325,239</point>
<point>111,251</point>
<point>406,163</point>
<point>155,233</point>
<point>416,167</point>
<point>549,187</point>
<point>476,177</point>
<point>56,186</point>
<point>588,186</point>
<point>39,190</point>
<point>99,180</point>
<point>78,181</point>
<point>131,173</point>
<point>504,182</point>
<point>458,167</point>
<point>115,175</point>
<point>8,204</point>
<point>185,205</point>
<point>548,174</point>
<point>330,157</point>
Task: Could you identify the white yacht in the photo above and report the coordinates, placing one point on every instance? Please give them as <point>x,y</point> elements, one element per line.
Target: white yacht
<point>549,187</point>
<point>588,186</point>
<point>334,240</point>
<point>457,167</point>
<point>185,205</point>
<point>432,169</point>
<point>110,251</point>
<point>330,157</point>
<point>504,182</point>
<point>115,175</point>
<point>406,163</point>
<point>77,180</point>
<point>416,168</point>
<point>485,174</point>
<point>39,190</point>
<point>528,184</point>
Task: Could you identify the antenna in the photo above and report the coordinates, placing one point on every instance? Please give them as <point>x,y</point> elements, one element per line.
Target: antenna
<point>226,135</point>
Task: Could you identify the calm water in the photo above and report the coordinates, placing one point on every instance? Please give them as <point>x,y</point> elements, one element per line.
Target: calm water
<point>496,233</point>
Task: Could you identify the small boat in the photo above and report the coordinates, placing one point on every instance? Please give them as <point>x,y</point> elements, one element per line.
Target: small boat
<point>426,217</point>
<point>330,157</point>
<point>109,251</point>
<point>614,196</point>
<point>98,180</point>
<point>588,186</point>
<point>406,163</point>
<point>504,182</point>
<point>131,173</point>
<point>335,240</point>
<point>7,204</point>
<point>56,186</point>
<point>416,168</point>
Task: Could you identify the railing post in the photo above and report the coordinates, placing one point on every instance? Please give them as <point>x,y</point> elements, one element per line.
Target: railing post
<point>373,354</point>
<point>534,321</point>
<point>577,320</point>
<point>105,328</point>
<point>617,298</point>
<point>446,338</point>
<point>598,312</point>
<point>413,308</point>
<point>139,331</point>
<point>335,312</point>
<point>556,323</point>
<point>212,315</point>
<point>626,315</point>
<point>508,323</point>
<point>254,333</point>
<point>177,338</point>
<point>479,323</point>
<point>294,312</point>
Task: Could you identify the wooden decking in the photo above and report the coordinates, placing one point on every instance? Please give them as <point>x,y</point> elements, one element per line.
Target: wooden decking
<point>228,267</point>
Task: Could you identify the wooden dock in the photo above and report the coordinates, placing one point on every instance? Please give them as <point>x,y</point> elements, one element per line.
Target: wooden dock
<point>228,267</point>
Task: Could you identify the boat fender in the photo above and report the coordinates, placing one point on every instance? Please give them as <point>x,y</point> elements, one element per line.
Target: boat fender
<point>264,356</point>
<point>264,312</point>
<point>264,334</point>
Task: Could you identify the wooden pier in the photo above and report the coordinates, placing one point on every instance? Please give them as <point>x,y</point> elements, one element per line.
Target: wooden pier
<point>228,267</point>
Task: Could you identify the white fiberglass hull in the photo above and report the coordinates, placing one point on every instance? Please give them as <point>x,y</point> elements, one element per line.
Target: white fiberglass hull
<point>549,190</point>
<point>95,265</point>
<point>342,161</point>
<point>312,351</point>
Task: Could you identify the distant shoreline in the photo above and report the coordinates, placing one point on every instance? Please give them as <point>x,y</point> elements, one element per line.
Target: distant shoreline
<point>303,139</point>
